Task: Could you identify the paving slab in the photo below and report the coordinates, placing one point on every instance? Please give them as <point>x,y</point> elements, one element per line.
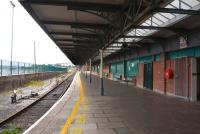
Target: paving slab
<point>122,110</point>
<point>131,110</point>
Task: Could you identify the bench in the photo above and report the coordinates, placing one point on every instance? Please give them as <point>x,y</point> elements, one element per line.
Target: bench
<point>118,76</point>
<point>132,79</point>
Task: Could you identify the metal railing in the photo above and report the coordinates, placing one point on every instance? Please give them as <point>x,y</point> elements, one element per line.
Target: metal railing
<point>27,68</point>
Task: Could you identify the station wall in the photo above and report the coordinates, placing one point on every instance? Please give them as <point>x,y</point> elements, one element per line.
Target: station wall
<point>14,81</point>
<point>175,58</point>
<point>179,61</point>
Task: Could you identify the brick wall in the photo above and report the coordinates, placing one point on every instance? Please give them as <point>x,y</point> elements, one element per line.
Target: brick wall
<point>158,76</point>
<point>190,76</point>
<point>170,82</point>
<point>140,76</point>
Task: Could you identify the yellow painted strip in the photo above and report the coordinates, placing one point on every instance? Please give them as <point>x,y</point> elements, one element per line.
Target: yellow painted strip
<point>74,111</point>
<point>80,119</point>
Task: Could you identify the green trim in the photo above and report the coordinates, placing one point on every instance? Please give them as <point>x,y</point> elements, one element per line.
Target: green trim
<point>157,57</point>
<point>188,52</point>
<point>146,59</point>
<point>197,52</point>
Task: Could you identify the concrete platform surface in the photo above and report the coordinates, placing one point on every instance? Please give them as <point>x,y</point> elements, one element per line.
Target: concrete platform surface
<point>123,110</point>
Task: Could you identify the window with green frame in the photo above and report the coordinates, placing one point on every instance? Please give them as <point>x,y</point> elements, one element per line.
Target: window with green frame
<point>119,68</point>
<point>113,68</point>
<point>131,68</point>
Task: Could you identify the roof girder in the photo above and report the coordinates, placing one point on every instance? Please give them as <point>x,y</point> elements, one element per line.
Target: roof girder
<point>177,11</point>
<point>77,24</point>
<point>74,5</point>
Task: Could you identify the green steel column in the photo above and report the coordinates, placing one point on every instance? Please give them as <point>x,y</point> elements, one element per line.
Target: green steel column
<point>90,70</point>
<point>101,73</point>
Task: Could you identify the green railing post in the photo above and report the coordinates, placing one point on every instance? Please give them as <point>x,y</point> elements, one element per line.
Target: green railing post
<point>24,68</point>
<point>1,69</point>
<point>18,67</point>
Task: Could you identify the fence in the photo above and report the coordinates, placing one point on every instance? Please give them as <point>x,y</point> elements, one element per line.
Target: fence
<point>27,68</point>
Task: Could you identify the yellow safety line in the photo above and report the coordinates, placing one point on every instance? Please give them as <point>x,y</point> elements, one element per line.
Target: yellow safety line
<point>74,110</point>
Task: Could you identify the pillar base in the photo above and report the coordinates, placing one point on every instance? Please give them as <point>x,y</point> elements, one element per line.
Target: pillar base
<point>90,79</point>
<point>101,87</point>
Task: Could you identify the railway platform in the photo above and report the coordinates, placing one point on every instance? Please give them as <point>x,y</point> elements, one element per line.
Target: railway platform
<point>122,110</point>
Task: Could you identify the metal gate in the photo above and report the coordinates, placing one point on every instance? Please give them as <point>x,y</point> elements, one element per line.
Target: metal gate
<point>148,75</point>
<point>181,77</point>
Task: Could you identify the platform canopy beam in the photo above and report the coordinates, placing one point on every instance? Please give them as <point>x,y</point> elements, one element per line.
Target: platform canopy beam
<point>177,11</point>
<point>74,39</point>
<point>87,35</point>
<point>77,24</point>
<point>158,28</point>
<point>78,5</point>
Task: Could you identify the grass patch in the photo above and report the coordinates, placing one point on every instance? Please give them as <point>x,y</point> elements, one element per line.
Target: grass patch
<point>11,130</point>
<point>20,91</point>
<point>37,83</point>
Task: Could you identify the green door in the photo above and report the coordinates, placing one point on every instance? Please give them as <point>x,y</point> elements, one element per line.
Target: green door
<point>148,75</point>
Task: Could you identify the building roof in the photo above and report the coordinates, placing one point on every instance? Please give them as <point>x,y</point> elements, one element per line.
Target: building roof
<point>81,27</point>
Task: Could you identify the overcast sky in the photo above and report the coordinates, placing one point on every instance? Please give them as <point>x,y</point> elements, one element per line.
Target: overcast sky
<point>26,31</point>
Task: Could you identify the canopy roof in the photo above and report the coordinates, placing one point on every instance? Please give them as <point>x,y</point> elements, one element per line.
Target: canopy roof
<point>81,27</point>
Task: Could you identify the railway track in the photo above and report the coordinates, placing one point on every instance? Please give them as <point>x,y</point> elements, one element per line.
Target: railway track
<point>29,115</point>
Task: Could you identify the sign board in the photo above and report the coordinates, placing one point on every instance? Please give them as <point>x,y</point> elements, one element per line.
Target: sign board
<point>183,42</point>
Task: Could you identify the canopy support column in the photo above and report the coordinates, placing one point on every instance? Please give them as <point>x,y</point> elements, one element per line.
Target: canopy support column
<point>90,71</point>
<point>101,73</point>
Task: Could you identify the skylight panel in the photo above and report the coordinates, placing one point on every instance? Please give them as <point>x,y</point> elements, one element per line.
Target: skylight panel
<point>170,6</point>
<point>117,45</point>
<point>125,39</point>
<point>141,31</point>
<point>121,40</point>
<point>161,17</point>
<point>192,3</point>
<point>168,15</point>
<point>128,39</point>
<point>157,21</point>
<point>131,32</point>
<point>145,24</point>
<point>113,48</point>
<point>148,22</point>
<point>185,3</point>
<point>185,6</point>
<point>138,34</point>
<point>175,3</point>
